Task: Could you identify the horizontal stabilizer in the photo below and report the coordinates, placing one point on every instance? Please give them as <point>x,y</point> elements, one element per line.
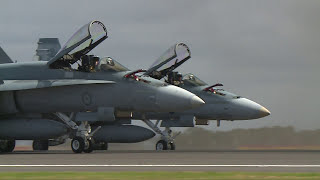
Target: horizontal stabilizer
<point>14,85</point>
<point>4,58</point>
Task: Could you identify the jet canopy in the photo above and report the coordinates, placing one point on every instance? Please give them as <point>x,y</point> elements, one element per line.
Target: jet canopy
<point>109,64</point>
<point>82,42</point>
<point>192,80</point>
<point>169,60</point>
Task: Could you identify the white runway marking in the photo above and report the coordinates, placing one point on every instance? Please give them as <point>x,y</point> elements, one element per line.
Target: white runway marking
<point>162,165</point>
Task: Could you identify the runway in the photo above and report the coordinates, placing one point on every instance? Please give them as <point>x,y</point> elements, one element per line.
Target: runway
<point>268,161</point>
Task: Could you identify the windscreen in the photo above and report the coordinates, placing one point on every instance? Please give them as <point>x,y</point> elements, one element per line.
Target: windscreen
<point>190,79</point>
<point>109,64</point>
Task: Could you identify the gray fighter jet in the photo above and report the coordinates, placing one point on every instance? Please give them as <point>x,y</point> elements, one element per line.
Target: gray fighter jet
<point>40,100</point>
<point>220,104</point>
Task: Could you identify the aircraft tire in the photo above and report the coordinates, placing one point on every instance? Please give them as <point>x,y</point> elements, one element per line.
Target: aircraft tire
<point>172,146</point>
<point>90,147</point>
<point>11,144</point>
<point>162,145</point>
<point>7,145</point>
<point>40,145</point>
<point>77,144</point>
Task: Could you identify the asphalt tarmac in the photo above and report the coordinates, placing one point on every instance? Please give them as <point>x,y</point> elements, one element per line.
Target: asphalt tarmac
<point>252,161</point>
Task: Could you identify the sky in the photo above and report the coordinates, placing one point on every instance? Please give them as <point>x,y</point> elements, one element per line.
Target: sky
<point>266,51</point>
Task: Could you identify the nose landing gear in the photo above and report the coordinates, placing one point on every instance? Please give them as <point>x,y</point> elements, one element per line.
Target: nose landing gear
<point>167,137</point>
<point>165,145</point>
<point>82,141</point>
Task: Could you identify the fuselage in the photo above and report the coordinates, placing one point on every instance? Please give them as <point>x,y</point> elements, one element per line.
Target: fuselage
<point>218,106</point>
<point>124,94</point>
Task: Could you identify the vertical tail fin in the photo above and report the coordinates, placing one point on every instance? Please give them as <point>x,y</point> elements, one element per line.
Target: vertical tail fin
<point>47,48</point>
<point>4,58</point>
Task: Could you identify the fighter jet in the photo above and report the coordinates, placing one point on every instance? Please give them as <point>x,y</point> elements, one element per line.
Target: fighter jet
<point>40,100</point>
<point>220,104</point>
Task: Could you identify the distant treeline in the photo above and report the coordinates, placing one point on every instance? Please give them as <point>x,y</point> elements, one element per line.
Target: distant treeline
<point>262,138</point>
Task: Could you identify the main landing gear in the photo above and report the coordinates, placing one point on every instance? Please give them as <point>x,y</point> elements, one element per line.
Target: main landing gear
<point>167,137</point>
<point>82,141</point>
<point>7,146</point>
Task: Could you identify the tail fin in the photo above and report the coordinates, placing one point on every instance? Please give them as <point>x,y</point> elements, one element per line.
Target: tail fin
<point>4,58</point>
<point>47,48</point>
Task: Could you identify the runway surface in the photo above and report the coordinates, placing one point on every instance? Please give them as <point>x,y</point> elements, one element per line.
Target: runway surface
<point>268,161</point>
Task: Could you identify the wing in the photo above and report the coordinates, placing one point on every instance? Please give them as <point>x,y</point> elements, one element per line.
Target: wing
<point>13,85</point>
<point>82,42</point>
<point>4,58</point>
<point>170,60</point>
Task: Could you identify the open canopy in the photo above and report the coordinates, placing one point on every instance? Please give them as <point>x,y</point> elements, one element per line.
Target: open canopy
<point>82,42</point>
<point>170,59</point>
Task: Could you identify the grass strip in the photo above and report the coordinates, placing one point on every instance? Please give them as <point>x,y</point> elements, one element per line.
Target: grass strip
<point>156,175</point>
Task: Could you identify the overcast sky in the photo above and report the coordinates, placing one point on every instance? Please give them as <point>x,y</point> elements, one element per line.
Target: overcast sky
<point>267,51</point>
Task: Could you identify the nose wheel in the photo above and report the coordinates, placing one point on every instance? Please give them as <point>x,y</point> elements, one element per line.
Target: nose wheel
<point>167,137</point>
<point>164,145</point>
<point>88,147</point>
<point>77,144</point>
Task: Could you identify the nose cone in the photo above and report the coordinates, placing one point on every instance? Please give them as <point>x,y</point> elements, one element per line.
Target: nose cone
<point>247,109</point>
<point>195,101</point>
<point>264,112</point>
<point>172,99</point>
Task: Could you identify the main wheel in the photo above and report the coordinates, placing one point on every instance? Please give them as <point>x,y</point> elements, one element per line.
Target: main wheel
<point>40,145</point>
<point>11,144</point>
<point>172,146</point>
<point>3,145</point>
<point>89,147</point>
<point>77,144</point>
<point>7,145</point>
<point>161,145</point>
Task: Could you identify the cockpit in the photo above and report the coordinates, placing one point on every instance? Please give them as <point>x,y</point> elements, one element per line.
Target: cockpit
<point>193,81</point>
<point>109,64</point>
<point>77,47</point>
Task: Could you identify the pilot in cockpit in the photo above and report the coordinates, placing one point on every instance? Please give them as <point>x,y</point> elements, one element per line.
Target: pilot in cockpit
<point>88,63</point>
<point>175,78</point>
